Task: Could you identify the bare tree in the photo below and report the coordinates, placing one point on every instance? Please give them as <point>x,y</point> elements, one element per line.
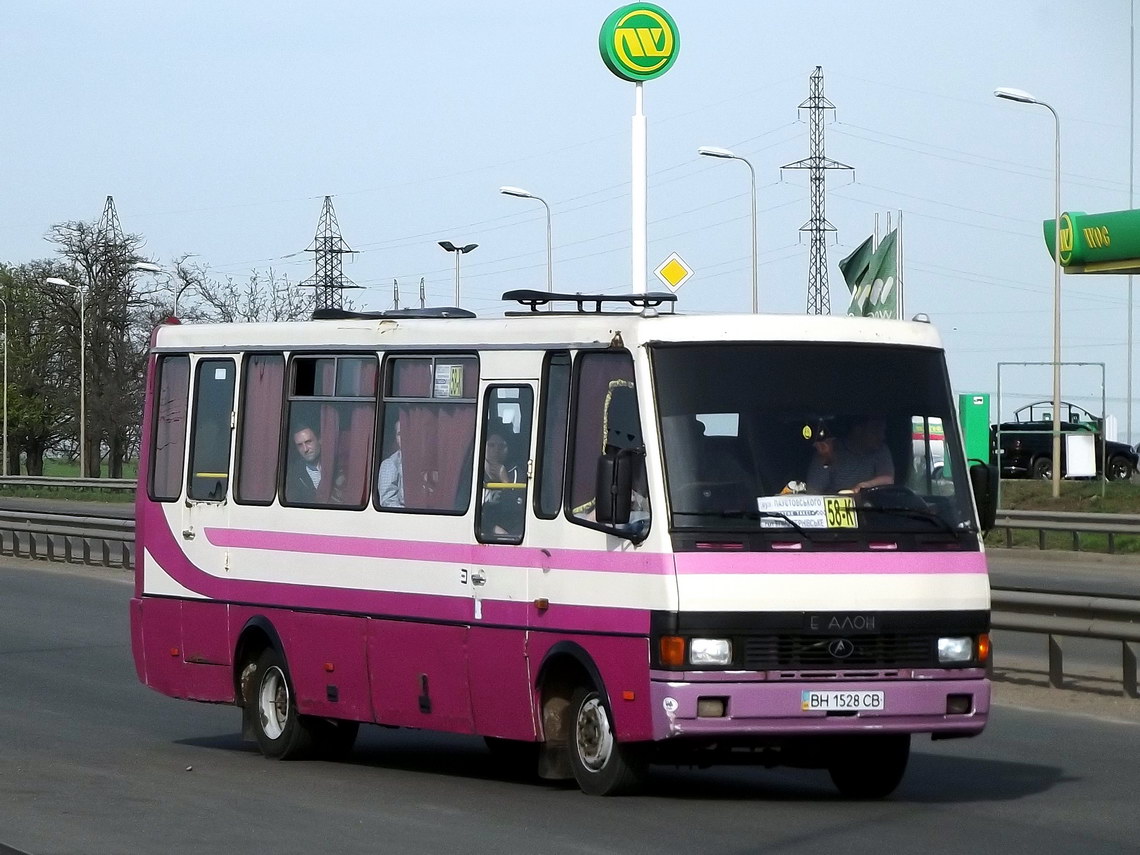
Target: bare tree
<point>102,265</point>
<point>263,297</point>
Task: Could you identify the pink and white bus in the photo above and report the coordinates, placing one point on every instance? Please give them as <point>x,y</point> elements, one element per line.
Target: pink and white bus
<point>586,531</point>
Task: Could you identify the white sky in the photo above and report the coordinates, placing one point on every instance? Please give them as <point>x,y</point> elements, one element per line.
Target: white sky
<point>218,127</point>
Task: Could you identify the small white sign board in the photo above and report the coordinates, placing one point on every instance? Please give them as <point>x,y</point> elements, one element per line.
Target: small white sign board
<point>1080,455</point>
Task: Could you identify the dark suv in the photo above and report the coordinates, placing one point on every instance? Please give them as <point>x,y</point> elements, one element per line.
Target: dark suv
<point>1027,443</point>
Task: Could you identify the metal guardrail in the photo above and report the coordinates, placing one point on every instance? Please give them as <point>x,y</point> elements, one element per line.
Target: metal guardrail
<point>1072,615</point>
<point>1076,524</point>
<point>112,484</point>
<point>93,540</point>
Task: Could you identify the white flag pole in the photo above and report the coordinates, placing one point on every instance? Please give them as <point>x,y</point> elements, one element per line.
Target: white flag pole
<point>638,227</point>
<point>899,271</point>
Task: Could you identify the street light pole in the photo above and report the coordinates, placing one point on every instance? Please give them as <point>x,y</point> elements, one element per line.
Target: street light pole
<point>82,371</point>
<point>523,194</point>
<point>1023,97</point>
<point>714,151</point>
<point>458,250</point>
<point>5,304</point>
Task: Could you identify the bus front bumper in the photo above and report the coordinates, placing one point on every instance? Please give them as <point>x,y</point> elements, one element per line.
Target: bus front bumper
<point>936,703</point>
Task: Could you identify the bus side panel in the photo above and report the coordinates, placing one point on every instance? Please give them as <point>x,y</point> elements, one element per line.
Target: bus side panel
<point>419,675</point>
<point>499,673</point>
<point>623,664</point>
<point>157,630</point>
<point>327,663</point>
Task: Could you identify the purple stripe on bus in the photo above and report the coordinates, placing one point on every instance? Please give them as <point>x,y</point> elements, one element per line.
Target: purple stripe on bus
<point>653,563</point>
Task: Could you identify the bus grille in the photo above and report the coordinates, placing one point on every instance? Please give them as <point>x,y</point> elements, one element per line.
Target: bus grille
<point>772,652</point>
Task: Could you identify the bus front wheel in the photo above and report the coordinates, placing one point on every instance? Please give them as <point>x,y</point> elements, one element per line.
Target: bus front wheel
<point>272,706</point>
<point>602,765</point>
<point>870,767</point>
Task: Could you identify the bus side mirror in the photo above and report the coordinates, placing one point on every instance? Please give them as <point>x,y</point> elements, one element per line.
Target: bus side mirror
<point>984,481</point>
<point>614,487</point>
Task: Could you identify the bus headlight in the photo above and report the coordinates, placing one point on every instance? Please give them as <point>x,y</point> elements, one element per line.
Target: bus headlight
<point>710,651</point>
<point>956,649</point>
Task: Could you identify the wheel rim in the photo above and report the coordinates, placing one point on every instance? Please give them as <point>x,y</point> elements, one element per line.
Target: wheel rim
<point>593,734</point>
<point>273,702</point>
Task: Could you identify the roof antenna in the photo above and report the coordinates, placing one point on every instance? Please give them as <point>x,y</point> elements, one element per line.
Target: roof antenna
<point>395,294</point>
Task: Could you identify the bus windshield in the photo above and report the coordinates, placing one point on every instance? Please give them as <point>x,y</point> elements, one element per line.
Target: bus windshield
<point>822,441</point>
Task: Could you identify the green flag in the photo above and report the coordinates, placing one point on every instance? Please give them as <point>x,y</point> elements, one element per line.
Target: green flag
<point>873,280</point>
<point>854,266</point>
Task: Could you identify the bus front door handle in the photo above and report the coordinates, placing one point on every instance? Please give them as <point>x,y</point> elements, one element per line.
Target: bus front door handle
<point>478,578</point>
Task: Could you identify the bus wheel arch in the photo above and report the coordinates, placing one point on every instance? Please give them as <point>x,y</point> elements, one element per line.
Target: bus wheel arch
<point>577,726</point>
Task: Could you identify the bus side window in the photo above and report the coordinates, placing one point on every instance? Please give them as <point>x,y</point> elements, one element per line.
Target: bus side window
<point>332,414</point>
<point>505,462</point>
<point>606,424</point>
<point>552,435</point>
<point>259,428</point>
<point>170,414</point>
<point>432,399</point>
<point>210,441</point>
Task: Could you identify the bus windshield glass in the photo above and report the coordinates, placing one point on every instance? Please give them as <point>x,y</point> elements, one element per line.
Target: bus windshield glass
<point>820,441</point>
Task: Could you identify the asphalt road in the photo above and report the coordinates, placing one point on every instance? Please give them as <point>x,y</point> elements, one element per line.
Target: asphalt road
<point>92,762</point>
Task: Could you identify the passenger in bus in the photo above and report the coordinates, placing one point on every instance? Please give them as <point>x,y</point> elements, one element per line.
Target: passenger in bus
<point>305,478</point>
<point>502,502</point>
<point>390,480</point>
<point>853,462</point>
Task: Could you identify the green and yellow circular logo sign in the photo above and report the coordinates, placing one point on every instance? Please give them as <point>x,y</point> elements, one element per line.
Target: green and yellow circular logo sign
<point>1067,232</point>
<point>639,42</point>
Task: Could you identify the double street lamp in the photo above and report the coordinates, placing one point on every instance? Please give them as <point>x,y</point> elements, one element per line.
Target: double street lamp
<point>524,194</point>
<point>53,280</point>
<point>1023,97</point>
<point>724,153</point>
<point>458,250</point>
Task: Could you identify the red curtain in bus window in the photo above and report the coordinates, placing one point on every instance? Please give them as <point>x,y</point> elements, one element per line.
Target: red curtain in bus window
<point>355,451</point>
<point>456,452</point>
<point>418,441</point>
<point>170,427</point>
<point>327,491</point>
<point>261,428</point>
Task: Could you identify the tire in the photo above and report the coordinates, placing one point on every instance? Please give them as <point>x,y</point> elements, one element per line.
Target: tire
<point>1118,469</point>
<point>602,766</point>
<point>281,732</point>
<point>1042,469</point>
<point>870,767</point>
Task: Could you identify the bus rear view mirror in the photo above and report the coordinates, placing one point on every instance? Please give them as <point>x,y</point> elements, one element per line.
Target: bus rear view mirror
<point>614,486</point>
<point>984,481</point>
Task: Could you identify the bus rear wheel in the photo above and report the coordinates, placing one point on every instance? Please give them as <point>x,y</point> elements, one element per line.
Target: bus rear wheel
<point>870,767</point>
<point>272,707</point>
<point>602,765</point>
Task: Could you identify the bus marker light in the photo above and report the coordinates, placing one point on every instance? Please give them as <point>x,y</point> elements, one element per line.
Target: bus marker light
<point>983,647</point>
<point>710,707</point>
<point>672,650</point>
<point>330,667</point>
<point>959,704</point>
<point>627,695</point>
<point>542,604</point>
<point>174,651</point>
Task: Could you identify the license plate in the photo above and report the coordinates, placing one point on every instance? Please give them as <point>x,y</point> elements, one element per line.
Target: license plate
<point>841,701</point>
<point>840,512</point>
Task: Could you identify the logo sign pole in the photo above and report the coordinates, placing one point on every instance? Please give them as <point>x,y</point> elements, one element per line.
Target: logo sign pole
<point>639,42</point>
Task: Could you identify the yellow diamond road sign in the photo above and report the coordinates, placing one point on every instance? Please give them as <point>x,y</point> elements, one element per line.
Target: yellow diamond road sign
<point>673,271</point>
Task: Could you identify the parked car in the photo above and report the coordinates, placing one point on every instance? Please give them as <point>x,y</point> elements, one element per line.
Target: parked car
<point>1029,455</point>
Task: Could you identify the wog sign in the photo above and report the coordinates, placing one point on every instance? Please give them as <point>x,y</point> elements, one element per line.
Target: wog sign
<point>639,42</point>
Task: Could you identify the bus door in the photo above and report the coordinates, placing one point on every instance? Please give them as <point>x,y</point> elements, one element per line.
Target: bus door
<point>497,668</point>
<point>208,472</point>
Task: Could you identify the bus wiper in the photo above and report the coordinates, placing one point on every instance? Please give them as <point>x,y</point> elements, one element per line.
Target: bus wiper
<point>750,515</point>
<point>915,513</point>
